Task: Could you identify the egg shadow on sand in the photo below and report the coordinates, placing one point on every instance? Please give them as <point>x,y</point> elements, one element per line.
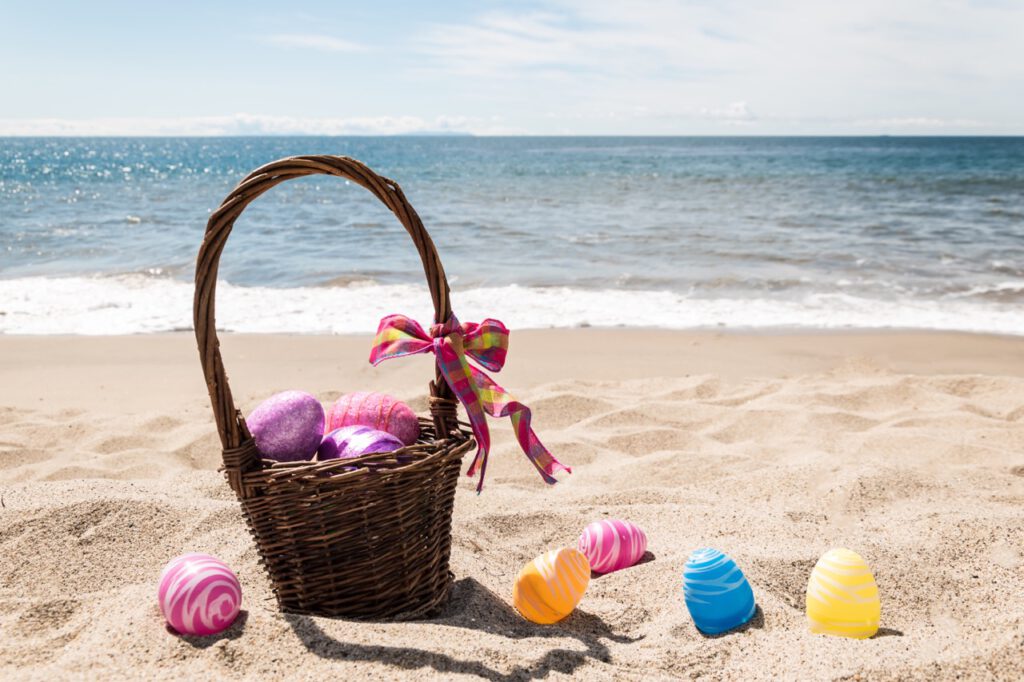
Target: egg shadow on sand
<point>887,632</point>
<point>473,607</point>
<point>645,559</point>
<point>756,622</point>
<point>233,632</point>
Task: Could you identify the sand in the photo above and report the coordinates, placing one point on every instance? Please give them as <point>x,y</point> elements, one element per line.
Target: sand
<point>906,447</point>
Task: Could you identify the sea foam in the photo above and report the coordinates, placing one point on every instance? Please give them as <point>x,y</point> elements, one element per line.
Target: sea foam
<point>132,304</point>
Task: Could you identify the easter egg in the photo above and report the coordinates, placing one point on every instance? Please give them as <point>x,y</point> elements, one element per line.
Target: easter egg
<point>376,410</point>
<point>287,426</point>
<point>354,441</point>
<point>717,593</point>
<point>199,594</point>
<point>842,597</point>
<point>549,587</point>
<point>612,544</point>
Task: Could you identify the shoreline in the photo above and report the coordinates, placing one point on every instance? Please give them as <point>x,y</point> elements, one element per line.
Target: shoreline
<point>63,370</point>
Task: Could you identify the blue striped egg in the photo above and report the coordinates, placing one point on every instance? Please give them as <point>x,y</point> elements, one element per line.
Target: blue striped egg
<point>717,593</point>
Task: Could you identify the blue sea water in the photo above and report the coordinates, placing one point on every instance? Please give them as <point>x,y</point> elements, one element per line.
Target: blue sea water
<point>99,235</point>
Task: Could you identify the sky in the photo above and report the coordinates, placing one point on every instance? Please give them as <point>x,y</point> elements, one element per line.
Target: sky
<point>549,67</point>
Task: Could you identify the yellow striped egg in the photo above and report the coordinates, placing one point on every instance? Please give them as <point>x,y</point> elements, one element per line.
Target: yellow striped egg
<point>842,597</point>
<point>549,587</point>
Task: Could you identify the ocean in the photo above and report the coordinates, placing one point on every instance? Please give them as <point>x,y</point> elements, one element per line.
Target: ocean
<point>99,235</point>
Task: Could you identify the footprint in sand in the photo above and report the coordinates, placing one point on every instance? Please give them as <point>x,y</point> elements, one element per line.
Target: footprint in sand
<point>840,421</point>
<point>110,446</point>
<point>565,409</point>
<point>642,443</point>
<point>705,390</point>
<point>46,616</point>
<point>523,524</point>
<point>755,425</point>
<point>161,424</point>
<point>572,453</point>
<point>43,629</point>
<point>736,401</point>
<point>13,455</point>
<point>786,579</point>
<point>202,452</point>
<point>627,417</point>
<point>891,395</point>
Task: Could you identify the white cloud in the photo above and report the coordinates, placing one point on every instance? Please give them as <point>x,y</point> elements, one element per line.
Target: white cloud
<point>737,112</point>
<point>312,41</point>
<point>805,66</point>
<point>252,124</point>
<point>918,122</point>
<point>500,44</point>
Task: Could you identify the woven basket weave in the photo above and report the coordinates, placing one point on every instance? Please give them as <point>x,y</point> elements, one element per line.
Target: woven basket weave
<point>372,542</point>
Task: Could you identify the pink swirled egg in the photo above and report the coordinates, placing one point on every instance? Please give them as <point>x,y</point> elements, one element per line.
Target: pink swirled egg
<point>199,594</point>
<point>612,544</point>
<point>355,441</point>
<point>376,410</point>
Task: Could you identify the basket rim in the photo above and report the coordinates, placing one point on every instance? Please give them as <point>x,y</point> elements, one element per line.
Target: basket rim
<point>351,468</point>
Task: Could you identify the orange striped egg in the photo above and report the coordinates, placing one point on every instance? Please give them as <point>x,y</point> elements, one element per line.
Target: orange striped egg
<point>549,587</point>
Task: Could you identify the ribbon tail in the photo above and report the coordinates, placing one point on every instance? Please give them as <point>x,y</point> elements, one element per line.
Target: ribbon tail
<point>483,449</point>
<point>535,451</point>
<point>499,403</point>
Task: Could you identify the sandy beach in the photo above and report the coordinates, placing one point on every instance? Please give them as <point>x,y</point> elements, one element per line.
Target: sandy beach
<point>907,447</point>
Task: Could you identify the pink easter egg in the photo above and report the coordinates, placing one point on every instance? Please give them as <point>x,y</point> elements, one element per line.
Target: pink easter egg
<point>199,594</point>
<point>355,441</point>
<point>376,410</point>
<point>611,545</point>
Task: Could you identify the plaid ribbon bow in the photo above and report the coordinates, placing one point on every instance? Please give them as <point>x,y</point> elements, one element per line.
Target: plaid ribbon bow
<point>487,344</point>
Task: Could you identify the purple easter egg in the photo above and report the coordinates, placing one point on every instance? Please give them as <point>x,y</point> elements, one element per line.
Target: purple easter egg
<point>287,426</point>
<point>376,410</point>
<point>355,441</point>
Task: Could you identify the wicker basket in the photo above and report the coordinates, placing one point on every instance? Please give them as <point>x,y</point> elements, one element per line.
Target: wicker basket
<point>372,542</point>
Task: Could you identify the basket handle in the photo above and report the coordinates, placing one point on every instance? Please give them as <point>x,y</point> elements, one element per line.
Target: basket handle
<point>230,424</point>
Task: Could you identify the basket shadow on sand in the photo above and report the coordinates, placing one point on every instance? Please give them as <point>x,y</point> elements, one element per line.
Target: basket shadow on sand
<point>474,607</point>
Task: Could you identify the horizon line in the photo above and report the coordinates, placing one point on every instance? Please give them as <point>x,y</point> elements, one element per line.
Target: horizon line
<point>442,134</point>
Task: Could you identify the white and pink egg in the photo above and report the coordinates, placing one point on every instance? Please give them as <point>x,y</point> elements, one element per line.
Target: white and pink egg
<point>199,594</point>
<point>612,544</point>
